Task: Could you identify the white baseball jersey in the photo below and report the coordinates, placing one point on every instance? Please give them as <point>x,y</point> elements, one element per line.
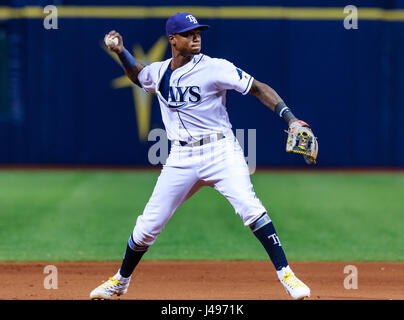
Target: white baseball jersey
<point>195,107</point>
<point>196,104</point>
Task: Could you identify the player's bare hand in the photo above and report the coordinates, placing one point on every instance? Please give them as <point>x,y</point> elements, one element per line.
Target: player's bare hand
<point>113,41</point>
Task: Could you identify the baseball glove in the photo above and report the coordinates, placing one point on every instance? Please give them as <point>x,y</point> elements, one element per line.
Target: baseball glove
<point>301,140</point>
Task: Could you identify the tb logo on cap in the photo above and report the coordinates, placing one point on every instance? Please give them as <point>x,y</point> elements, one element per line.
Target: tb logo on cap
<point>191,18</point>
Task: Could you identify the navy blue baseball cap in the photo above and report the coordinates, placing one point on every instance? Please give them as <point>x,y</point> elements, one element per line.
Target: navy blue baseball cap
<point>181,22</point>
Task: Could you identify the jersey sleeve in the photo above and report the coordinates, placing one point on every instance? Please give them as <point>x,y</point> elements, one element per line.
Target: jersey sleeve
<point>229,77</point>
<point>146,80</point>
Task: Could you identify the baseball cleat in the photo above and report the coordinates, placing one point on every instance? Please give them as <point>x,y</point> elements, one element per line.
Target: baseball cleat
<point>296,288</point>
<point>109,288</point>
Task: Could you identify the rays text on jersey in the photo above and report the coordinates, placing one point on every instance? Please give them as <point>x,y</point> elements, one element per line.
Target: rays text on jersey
<point>179,97</point>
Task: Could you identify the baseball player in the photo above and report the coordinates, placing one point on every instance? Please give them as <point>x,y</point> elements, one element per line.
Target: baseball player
<point>191,90</point>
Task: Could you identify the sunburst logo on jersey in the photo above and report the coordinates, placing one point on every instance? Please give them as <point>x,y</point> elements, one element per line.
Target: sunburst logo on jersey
<point>141,99</point>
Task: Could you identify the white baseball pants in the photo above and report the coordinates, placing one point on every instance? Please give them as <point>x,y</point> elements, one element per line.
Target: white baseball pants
<point>219,164</point>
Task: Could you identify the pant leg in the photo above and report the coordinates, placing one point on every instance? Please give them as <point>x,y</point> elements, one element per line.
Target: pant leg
<point>239,191</point>
<point>173,187</point>
<point>227,171</point>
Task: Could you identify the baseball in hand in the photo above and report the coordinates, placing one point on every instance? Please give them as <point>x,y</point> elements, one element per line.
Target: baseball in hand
<point>111,41</point>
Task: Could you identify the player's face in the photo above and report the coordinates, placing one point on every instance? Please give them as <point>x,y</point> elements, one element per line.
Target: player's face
<point>189,42</point>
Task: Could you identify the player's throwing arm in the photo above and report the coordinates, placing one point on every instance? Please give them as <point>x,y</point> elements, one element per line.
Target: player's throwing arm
<point>113,41</point>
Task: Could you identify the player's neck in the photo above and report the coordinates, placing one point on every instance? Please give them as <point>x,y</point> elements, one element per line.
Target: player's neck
<point>179,60</point>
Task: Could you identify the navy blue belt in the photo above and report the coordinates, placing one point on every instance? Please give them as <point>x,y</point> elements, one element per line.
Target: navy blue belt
<point>203,141</point>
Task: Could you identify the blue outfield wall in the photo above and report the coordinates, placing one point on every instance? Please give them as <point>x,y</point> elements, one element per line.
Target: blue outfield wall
<point>348,84</point>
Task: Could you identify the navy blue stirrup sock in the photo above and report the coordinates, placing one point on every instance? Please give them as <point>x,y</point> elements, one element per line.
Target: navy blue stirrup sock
<point>264,230</point>
<point>132,256</point>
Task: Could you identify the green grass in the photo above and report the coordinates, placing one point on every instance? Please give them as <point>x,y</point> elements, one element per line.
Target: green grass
<point>89,215</point>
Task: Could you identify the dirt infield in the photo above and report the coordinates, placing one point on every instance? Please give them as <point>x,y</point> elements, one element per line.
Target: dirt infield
<point>202,280</point>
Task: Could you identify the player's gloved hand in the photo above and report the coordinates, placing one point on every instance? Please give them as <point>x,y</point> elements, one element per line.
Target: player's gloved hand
<point>117,48</point>
<point>301,140</point>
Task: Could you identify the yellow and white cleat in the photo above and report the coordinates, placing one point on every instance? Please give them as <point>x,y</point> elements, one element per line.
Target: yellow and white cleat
<point>296,288</point>
<point>110,288</point>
